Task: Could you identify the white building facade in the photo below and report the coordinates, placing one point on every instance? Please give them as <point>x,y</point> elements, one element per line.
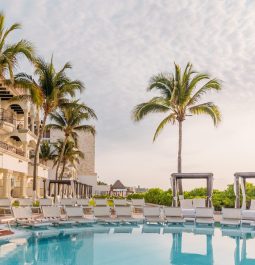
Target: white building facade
<point>19,123</point>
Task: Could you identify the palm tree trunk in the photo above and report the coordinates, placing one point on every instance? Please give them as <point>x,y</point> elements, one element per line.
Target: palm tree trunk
<point>61,156</point>
<point>180,157</point>
<point>35,171</point>
<point>62,171</point>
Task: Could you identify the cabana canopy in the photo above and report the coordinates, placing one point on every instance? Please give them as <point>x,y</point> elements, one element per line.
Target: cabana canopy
<point>243,176</point>
<point>179,176</point>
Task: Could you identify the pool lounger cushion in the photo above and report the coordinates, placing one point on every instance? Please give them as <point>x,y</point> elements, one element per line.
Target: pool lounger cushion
<point>206,220</point>
<point>230,222</point>
<point>174,220</point>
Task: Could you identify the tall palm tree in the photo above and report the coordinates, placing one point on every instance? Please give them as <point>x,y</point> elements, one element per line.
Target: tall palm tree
<point>180,94</point>
<point>68,119</point>
<point>48,91</point>
<point>10,53</point>
<point>71,155</point>
<point>46,152</point>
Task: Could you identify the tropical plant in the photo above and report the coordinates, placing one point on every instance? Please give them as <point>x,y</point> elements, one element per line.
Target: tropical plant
<point>10,53</point>
<point>180,94</point>
<point>46,152</point>
<point>70,156</point>
<point>69,120</point>
<point>48,91</point>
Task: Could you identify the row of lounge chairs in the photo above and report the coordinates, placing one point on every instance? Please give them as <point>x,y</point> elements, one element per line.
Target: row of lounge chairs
<point>190,210</point>
<point>120,214</point>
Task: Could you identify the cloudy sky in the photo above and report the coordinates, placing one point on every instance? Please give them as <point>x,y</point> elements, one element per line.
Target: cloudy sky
<point>116,46</point>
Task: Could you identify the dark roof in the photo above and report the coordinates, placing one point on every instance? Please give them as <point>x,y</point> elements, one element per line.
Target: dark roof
<point>118,185</point>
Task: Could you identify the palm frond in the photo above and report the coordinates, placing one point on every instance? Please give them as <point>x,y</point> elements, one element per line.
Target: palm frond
<point>155,105</point>
<point>169,119</point>
<point>208,108</point>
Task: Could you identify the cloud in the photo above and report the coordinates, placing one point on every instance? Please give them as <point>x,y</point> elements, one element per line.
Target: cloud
<point>116,46</point>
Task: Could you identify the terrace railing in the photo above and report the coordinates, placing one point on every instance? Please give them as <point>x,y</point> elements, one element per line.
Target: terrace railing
<point>12,148</point>
<point>6,115</point>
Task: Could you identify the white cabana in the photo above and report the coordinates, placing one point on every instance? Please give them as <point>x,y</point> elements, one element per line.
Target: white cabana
<point>180,176</point>
<point>240,181</point>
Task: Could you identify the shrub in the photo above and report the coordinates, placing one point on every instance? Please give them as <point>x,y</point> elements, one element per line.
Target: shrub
<point>135,196</point>
<point>15,203</point>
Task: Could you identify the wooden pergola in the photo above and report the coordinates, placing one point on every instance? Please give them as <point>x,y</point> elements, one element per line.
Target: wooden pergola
<point>243,176</point>
<point>69,188</point>
<point>180,176</point>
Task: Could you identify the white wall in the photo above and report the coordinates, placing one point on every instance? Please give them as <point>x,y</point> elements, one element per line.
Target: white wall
<point>13,162</point>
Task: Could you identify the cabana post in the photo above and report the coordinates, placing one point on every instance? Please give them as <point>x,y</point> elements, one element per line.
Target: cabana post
<point>237,184</point>
<point>180,176</point>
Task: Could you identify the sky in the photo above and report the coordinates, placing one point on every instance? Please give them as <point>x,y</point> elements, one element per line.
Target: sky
<point>116,46</point>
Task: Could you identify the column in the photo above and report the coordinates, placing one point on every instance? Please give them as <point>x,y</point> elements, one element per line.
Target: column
<point>174,192</point>
<point>32,123</point>
<point>25,146</point>
<point>15,123</point>
<point>237,192</point>
<point>26,119</point>
<point>38,188</point>
<point>7,183</point>
<point>23,185</point>
<point>37,123</point>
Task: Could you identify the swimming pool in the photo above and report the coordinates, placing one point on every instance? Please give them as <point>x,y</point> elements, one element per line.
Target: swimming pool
<point>136,245</point>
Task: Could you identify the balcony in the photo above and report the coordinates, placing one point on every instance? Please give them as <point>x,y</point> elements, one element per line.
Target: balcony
<point>8,123</point>
<point>6,116</point>
<point>12,149</point>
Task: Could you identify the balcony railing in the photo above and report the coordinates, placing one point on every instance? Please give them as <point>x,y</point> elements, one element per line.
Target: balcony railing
<point>12,148</point>
<point>6,115</point>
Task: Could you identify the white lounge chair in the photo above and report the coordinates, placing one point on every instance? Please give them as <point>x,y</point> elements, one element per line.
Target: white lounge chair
<point>101,202</point>
<point>138,202</point>
<point>248,216</point>
<point>82,202</point>
<point>46,202</point>
<point>199,203</point>
<point>120,202</point>
<point>152,215</point>
<point>231,217</point>
<point>53,213</point>
<point>187,207</point>
<point>103,214</point>
<point>138,205</point>
<point>173,215</point>
<point>67,202</point>
<point>76,214</point>
<point>24,202</point>
<point>5,206</point>
<point>24,216</point>
<point>204,215</point>
<point>124,214</point>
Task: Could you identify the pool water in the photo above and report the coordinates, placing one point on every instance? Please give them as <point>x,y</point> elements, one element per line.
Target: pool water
<point>126,245</point>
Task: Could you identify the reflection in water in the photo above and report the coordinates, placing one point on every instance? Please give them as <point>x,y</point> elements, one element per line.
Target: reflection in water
<point>63,249</point>
<point>136,245</point>
<point>178,257</point>
<point>242,259</point>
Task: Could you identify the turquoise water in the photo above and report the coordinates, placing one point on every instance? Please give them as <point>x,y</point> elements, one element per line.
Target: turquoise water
<point>141,245</point>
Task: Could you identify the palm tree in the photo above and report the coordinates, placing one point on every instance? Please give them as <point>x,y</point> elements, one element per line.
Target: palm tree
<point>71,155</point>
<point>180,94</point>
<point>68,119</point>
<point>46,152</point>
<point>48,92</point>
<point>10,53</point>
